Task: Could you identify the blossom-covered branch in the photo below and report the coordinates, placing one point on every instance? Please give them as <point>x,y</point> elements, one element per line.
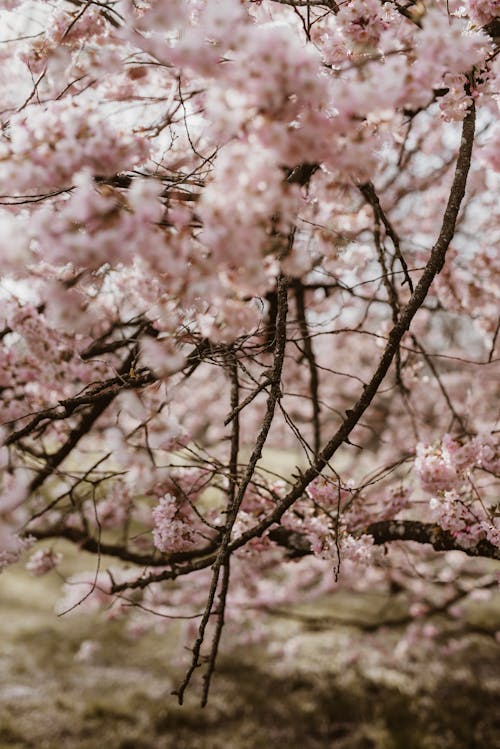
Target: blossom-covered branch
<point>249,273</point>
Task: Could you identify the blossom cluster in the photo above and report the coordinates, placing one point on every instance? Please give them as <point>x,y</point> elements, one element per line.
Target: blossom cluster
<point>12,546</point>
<point>39,361</point>
<point>179,524</point>
<point>446,465</point>
<point>247,184</point>
<point>483,12</point>
<point>362,22</point>
<point>47,145</point>
<point>66,31</point>
<point>445,469</point>
<point>456,102</point>
<point>168,163</point>
<point>43,561</point>
<point>467,522</point>
<point>173,529</point>
<point>325,527</point>
<point>98,225</point>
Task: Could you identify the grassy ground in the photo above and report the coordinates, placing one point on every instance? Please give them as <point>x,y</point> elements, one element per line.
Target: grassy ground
<point>121,697</point>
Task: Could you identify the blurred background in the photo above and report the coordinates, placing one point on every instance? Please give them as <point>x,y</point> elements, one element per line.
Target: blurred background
<point>81,681</point>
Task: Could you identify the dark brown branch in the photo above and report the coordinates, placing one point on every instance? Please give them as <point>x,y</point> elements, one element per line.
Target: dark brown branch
<point>311,361</point>
<point>106,12</point>
<point>233,485</point>
<point>369,193</point>
<point>494,341</point>
<point>96,546</point>
<point>104,392</point>
<point>74,437</point>
<point>263,385</point>
<point>390,288</point>
<point>387,531</point>
<point>300,175</point>
<point>309,3</point>
<point>86,422</point>
<point>220,613</point>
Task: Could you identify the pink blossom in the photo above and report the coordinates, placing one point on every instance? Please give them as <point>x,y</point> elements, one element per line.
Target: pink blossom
<point>61,138</point>
<point>169,167</point>
<point>174,529</point>
<point>418,610</point>
<point>434,468</point>
<point>43,561</point>
<point>454,104</point>
<point>483,11</point>
<point>12,546</point>
<point>358,549</point>
<point>361,22</point>
<point>462,455</point>
<point>489,452</point>
<point>230,319</point>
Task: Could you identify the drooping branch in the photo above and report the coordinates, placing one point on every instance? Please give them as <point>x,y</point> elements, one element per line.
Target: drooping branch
<point>103,393</point>
<point>98,402</point>
<point>220,562</point>
<point>226,565</point>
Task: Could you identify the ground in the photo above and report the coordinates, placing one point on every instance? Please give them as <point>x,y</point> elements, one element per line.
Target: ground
<point>120,698</point>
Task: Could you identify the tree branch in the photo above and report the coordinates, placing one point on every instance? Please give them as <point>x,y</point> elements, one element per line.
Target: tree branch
<point>433,267</point>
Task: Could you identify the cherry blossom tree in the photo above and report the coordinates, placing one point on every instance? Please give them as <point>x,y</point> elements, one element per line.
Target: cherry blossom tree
<point>234,226</point>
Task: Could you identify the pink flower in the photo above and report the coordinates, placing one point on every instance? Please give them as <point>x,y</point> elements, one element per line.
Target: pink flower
<point>50,143</point>
<point>483,11</point>
<point>434,468</point>
<point>455,104</point>
<point>43,561</point>
<point>176,526</point>
<point>361,21</point>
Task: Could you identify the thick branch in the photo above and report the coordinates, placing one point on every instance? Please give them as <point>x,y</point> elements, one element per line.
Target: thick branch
<point>119,551</point>
<point>428,533</point>
<point>86,422</point>
<point>386,531</point>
